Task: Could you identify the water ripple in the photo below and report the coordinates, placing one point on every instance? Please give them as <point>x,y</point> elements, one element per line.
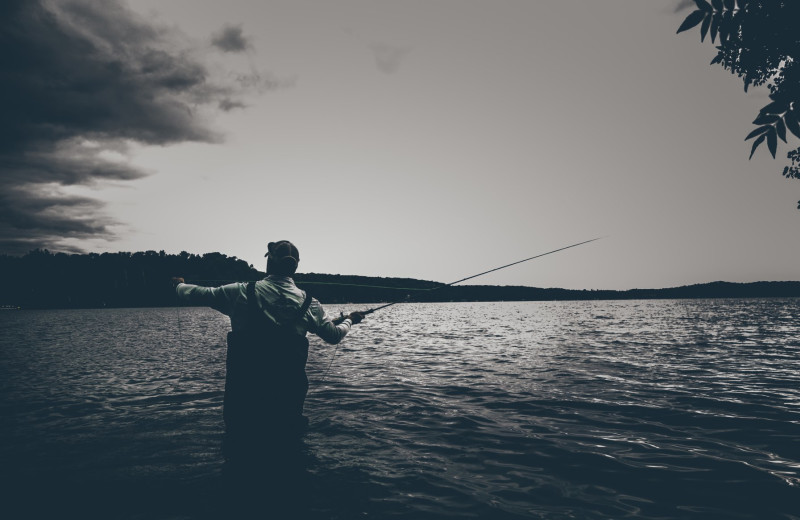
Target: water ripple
<point>646,409</point>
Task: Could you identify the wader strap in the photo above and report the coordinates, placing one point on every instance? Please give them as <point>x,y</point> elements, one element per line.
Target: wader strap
<point>305,306</point>
<point>252,306</point>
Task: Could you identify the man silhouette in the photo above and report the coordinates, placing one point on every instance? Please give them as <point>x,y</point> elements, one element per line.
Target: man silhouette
<point>266,383</point>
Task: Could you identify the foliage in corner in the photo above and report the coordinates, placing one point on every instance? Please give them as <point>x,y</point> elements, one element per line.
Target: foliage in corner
<point>759,41</point>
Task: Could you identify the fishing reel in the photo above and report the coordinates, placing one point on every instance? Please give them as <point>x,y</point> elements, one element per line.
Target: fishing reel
<point>343,317</point>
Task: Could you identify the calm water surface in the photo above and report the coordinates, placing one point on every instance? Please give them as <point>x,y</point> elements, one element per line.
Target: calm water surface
<point>555,410</point>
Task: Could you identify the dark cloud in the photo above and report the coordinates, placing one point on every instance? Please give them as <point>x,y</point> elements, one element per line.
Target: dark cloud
<point>67,162</point>
<point>231,39</point>
<point>32,216</point>
<point>227,105</point>
<point>78,78</point>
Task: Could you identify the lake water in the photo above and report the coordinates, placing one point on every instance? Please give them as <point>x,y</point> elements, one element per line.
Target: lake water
<point>610,409</point>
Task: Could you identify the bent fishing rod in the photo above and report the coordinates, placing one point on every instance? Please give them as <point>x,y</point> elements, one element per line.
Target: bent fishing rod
<point>370,311</point>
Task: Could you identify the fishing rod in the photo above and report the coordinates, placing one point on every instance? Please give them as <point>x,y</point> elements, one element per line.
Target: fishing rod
<point>342,317</point>
<point>370,311</point>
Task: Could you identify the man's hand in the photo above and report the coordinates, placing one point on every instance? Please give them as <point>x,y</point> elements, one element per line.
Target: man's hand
<point>176,280</point>
<point>356,317</point>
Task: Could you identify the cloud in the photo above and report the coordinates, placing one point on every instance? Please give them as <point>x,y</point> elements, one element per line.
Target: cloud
<point>263,82</point>
<point>79,78</point>
<point>231,39</point>
<point>30,216</point>
<point>388,58</point>
<point>226,105</point>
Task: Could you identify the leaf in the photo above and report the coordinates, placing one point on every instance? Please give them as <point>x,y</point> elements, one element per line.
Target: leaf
<point>703,5</point>
<point>693,19</point>
<point>781,129</point>
<point>717,58</point>
<point>730,4</point>
<point>704,27</point>
<point>759,130</point>
<point>715,20</point>
<point>791,122</point>
<point>772,143</point>
<point>776,107</point>
<point>726,26</point>
<point>717,4</point>
<point>755,145</point>
<point>765,119</point>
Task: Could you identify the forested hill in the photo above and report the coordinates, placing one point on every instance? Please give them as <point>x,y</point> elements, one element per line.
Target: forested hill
<point>42,279</point>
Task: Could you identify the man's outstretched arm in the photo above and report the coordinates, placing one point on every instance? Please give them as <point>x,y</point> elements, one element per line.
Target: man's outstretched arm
<point>222,298</point>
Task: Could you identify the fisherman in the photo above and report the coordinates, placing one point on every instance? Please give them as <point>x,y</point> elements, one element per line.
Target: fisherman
<point>266,383</point>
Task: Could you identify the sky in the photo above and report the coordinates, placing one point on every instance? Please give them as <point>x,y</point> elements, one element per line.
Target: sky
<point>428,139</point>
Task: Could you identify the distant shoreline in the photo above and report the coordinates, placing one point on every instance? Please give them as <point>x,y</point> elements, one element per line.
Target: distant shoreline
<point>43,280</point>
<point>711,290</point>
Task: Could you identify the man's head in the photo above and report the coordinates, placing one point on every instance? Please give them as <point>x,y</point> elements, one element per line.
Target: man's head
<point>282,258</point>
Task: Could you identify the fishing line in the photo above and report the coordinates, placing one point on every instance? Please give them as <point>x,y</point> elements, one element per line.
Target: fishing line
<point>325,374</point>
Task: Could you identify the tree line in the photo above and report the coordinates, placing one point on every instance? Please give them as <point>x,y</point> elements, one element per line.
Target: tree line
<point>45,280</point>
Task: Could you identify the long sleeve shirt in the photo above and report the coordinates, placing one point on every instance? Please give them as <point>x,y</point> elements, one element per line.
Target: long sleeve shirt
<point>278,298</point>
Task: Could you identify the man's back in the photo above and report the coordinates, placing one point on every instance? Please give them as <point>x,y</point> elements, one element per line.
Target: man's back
<point>266,382</point>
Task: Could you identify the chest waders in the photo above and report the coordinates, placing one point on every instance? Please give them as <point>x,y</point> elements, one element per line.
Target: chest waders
<point>265,382</point>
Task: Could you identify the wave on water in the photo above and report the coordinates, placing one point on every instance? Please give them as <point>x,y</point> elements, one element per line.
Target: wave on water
<point>650,409</point>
